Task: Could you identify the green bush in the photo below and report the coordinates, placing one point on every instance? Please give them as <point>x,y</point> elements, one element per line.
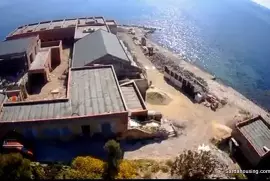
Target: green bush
<point>38,172</point>
<point>127,170</point>
<point>164,169</point>
<point>239,176</point>
<point>83,168</point>
<point>193,165</point>
<point>114,157</point>
<point>13,167</point>
<point>169,163</point>
<point>155,168</point>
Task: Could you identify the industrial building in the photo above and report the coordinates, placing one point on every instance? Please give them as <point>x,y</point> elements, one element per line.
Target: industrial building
<point>101,47</point>
<point>90,101</point>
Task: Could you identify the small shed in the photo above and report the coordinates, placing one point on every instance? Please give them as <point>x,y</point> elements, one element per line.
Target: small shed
<point>253,138</point>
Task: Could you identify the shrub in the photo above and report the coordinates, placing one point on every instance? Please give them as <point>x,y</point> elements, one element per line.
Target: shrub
<point>169,163</point>
<point>38,172</point>
<point>155,168</point>
<point>164,169</point>
<point>144,164</point>
<point>113,160</point>
<point>127,170</point>
<point>193,165</point>
<point>147,175</point>
<point>239,176</point>
<point>87,167</point>
<point>71,174</point>
<point>13,167</point>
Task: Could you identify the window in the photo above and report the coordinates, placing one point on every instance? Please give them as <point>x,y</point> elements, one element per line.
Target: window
<point>176,76</point>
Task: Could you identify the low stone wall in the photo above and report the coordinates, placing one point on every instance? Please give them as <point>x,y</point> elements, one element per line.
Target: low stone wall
<point>136,133</point>
<point>142,85</point>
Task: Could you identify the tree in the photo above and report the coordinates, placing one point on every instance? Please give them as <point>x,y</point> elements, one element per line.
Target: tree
<point>14,167</point>
<point>193,165</point>
<point>113,159</point>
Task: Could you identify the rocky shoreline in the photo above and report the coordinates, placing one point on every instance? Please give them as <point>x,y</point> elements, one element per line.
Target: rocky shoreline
<point>163,56</point>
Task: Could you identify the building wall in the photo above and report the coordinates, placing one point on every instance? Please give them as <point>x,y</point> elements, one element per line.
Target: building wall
<point>68,129</point>
<point>122,70</point>
<point>32,50</point>
<point>113,29</point>
<point>246,148</point>
<point>49,35</point>
<point>142,85</point>
<point>56,51</point>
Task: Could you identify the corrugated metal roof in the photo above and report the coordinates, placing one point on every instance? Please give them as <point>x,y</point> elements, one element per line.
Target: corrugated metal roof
<point>258,133</point>
<point>15,46</point>
<point>93,91</point>
<point>34,111</point>
<point>132,97</point>
<point>96,45</point>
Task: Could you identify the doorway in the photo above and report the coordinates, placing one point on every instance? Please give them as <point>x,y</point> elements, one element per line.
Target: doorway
<point>85,130</point>
<point>107,129</point>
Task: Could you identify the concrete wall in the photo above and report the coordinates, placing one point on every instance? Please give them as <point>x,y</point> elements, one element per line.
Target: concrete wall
<point>137,134</point>
<point>246,148</point>
<point>122,69</point>
<point>49,35</point>
<point>113,29</point>
<point>66,129</point>
<point>56,51</point>
<point>32,50</point>
<point>142,85</point>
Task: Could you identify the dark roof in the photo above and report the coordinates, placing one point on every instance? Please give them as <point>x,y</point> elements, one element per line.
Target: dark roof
<point>35,111</point>
<point>93,91</point>
<point>132,96</point>
<point>15,46</point>
<point>257,132</point>
<point>96,45</point>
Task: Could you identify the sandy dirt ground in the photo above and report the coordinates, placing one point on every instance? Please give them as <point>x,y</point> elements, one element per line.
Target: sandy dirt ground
<point>55,82</point>
<point>197,119</point>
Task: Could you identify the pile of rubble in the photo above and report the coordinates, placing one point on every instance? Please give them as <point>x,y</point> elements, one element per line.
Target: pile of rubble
<point>213,102</point>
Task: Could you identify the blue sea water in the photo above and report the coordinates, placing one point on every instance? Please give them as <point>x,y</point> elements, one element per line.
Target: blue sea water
<point>228,38</point>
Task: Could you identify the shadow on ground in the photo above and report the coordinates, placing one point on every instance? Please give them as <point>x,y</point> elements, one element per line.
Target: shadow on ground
<point>64,152</point>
